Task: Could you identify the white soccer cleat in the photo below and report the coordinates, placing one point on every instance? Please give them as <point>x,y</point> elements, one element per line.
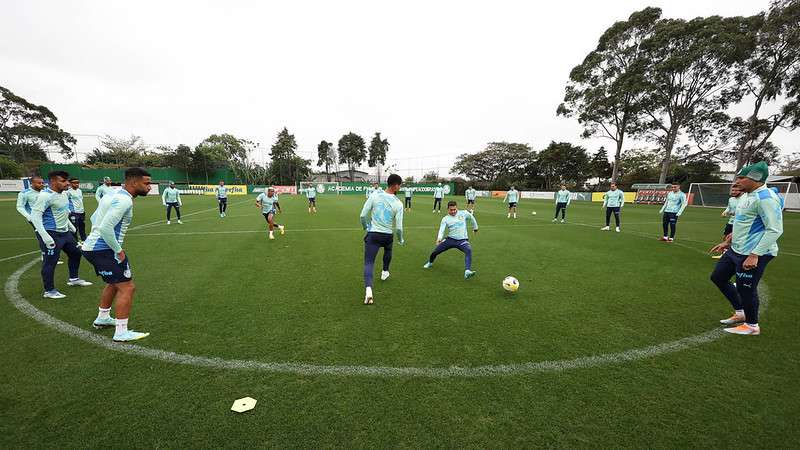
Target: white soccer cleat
<point>555,220</point>
<point>169,222</point>
<point>617,229</point>
<point>744,329</point>
<point>60,262</point>
<point>104,322</point>
<point>78,282</point>
<point>606,228</point>
<point>181,223</point>
<point>384,275</point>
<point>271,236</point>
<point>53,294</point>
<point>563,221</point>
<point>368,296</point>
<point>129,335</point>
<point>281,228</point>
<point>734,319</point>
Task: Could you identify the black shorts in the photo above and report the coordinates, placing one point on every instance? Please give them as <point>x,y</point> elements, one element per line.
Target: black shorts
<point>470,202</point>
<point>107,267</point>
<point>728,229</point>
<point>512,204</point>
<point>266,215</point>
<point>222,200</point>
<point>312,201</point>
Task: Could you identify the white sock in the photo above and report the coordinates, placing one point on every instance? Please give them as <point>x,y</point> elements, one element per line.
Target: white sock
<point>369,291</point>
<point>270,232</point>
<point>104,313</point>
<point>122,326</point>
<point>509,215</point>
<point>515,215</point>
<point>739,312</point>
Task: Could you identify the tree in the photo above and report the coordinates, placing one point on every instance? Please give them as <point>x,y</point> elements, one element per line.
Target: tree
<point>599,166</point>
<point>639,166</point>
<point>499,160</point>
<point>605,90</point>
<point>26,128</point>
<point>352,152</point>
<point>207,157</point>
<point>790,164</point>
<point>121,152</point>
<point>377,152</point>
<point>286,166</point>
<point>563,162</point>
<point>10,168</point>
<point>326,156</point>
<point>235,152</point>
<point>430,177</point>
<point>770,74</point>
<point>180,158</point>
<point>689,77</point>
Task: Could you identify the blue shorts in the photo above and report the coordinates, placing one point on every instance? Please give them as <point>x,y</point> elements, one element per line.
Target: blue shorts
<point>107,267</point>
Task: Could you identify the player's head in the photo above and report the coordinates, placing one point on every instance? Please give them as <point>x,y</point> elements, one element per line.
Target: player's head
<point>735,191</point>
<point>752,177</point>
<point>452,207</point>
<point>394,181</point>
<point>138,181</point>
<point>440,184</point>
<point>221,183</point>
<point>107,181</point>
<point>74,182</point>
<point>270,191</point>
<point>37,183</point>
<point>613,186</point>
<point>172,184</point>
<point>563,186</point>
<point>58,180</point>
<point>512,187</point>
<point>676,187</point>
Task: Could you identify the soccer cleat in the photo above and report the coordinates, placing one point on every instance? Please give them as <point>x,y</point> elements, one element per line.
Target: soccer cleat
<point>734,319</point>
<point>53,294</point>
<point>60,262</point>
<point>605,228</point>
<point>555,220</point>
<point>105,322</point>
<point>281,228</point>
<point>368,296</point>
<point>744,329</point>
<point>129,335</point>
<point>671,240</point>
<point>563,221</point>
<point>663,238</point>
<point>80,245</point>
<point>384,275</point>
<point>617,229</point>
<point>78,282</point>
<point>468,274</point>
<point>169,222</point>
<point>271,236</point>
<point>427,265</point>
<point>179,221</point>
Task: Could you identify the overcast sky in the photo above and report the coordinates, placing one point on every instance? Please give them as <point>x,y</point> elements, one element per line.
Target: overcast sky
<point>436,78</point>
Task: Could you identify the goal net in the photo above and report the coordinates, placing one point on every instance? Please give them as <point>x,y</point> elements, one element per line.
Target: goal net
<point>322,187</point>
<point>716,195</point>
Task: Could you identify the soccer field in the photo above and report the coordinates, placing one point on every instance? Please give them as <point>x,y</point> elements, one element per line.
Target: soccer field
<point>613,339</point>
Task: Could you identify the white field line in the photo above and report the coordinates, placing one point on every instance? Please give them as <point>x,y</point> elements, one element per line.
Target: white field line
<point>164,221</point>
<point>585,362</point>
<point>20,255</point>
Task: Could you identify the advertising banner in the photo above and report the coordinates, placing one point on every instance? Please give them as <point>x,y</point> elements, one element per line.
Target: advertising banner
<point>651,196</point>
<point>11,185</point>
<point>210,189</point>
<point>598,196</point>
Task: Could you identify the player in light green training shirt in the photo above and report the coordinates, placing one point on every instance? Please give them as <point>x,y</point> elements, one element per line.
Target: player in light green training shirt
<point>730,212</point>
<point>311,194</point>
<point>103,249</point>
<point>171,198</point>
<point>613,201</point>
<point>409,191</point>
<point>453,234</point>
<point>103,190</point>
<point>752,245</point>
<point>268,203</point>
<point>381,215</point>
<point>512,197</point>
<point>673,207</point>
<point>222,198</point>
<point>438,194</point>
<point>563,198</point>
<point>471,194</point>
<point>77,213</point>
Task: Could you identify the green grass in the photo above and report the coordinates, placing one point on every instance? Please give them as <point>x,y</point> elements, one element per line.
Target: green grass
<point>217,287</point>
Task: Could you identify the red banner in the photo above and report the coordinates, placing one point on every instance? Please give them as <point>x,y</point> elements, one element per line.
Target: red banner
<point>285,190</point>
<point>651,196</point>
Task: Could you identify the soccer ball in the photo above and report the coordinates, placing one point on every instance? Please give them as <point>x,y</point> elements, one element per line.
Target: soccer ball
<point>510,284</point>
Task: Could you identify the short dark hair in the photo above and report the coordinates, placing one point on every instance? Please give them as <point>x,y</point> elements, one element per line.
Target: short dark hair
<point>136,172</point>
<point>452,203</point>
<point>394,180</point>
<point>56,174</point>
<point>74,179</point>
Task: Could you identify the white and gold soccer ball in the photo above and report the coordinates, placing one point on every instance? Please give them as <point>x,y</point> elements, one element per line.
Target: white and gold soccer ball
<point>510,284</point>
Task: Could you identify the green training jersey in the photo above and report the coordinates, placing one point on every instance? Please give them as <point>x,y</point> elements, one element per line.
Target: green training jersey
<point>51,212</point>
<point>102,191</point>
<point>75,197</point>
<point>614,199</point>
<point>758,223</point>
<point>455,227</point>
<point>110,222</point>
<point>563,196</point>
<point>438,192</point>
<point>311,192</point>
<point>221,191</point>
<point>730,211</point>
<point>25,201</point>
<point>674,203</point>
<point>267,203</point>
<point>408,192</point>
<point>381,213</point>
<point>512,196</point>
<point>171,195</point>
<point>470,194</point>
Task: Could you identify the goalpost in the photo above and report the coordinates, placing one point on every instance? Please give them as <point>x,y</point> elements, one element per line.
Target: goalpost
<point>322,187</point>
<point>715,195</point>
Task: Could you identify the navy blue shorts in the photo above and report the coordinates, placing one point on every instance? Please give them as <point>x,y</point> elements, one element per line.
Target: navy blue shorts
<point>312,201</point>
<point>107,267</point>
<point>470,202</point>
<point>512,204</point>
